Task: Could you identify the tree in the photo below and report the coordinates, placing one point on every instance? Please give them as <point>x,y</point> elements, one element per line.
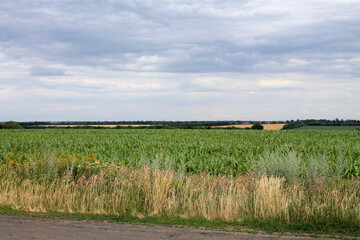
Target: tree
<point>11,125</point>
<point>257,126</point>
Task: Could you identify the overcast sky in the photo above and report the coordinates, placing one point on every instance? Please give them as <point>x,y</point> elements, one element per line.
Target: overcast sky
<point>179,60</point>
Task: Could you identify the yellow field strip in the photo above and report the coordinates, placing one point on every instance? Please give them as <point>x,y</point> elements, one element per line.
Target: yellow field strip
<point>266,126</point>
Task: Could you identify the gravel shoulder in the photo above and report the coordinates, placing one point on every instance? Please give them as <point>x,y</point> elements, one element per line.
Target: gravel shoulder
<point>18,227</point>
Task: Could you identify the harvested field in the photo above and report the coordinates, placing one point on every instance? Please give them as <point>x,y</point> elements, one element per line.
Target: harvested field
<point>266,126</point>
<point>109,126</point>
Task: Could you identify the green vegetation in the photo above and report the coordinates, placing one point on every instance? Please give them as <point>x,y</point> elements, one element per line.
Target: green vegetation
<point>322,122</point>
<point>257,126</point>
<point>11,125</point>
<point>144,124</point>
<point>335,230</point>
<point>137,193</point>
<point>165,124</point>
<point>330,128</point>
<point>195,151</point>
<point>300,180</point>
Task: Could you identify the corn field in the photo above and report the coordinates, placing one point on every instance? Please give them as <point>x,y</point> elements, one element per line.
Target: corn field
<point>290,154</point>
<point>289,177</point>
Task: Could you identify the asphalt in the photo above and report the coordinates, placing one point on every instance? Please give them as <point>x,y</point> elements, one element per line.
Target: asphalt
<point>17,227</point>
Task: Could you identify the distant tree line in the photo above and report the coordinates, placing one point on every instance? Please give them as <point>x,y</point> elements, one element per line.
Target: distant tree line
<point>185,124</point>
<point>127,125</point>
<point>290,124</point>
<point>257,127</point>
<point>321,122</point>
<point>10,125</point>
<point>153,123</point>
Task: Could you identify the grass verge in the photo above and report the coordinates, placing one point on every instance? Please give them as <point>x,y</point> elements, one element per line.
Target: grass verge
<point>342,231</point>
<point>94,191</point>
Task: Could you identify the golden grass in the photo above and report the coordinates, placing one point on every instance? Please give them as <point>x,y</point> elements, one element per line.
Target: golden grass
<point>108,126</point>
<point>266,126</point>
<point>147,192</point>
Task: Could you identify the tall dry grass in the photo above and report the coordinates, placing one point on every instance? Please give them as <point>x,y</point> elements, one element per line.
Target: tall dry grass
<point>149,192</point>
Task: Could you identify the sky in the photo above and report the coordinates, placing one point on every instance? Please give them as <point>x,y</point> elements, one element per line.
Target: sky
<point>65,60</point>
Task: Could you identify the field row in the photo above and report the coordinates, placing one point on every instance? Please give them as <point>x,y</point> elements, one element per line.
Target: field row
<point>281,153</point>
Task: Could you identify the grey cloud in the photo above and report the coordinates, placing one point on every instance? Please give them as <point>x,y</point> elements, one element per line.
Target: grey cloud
<point>123,49</point>
<point>47,71</point>
<point>102,33</point>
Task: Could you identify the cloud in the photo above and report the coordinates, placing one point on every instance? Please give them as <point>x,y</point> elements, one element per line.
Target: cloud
<point>47,71</point>
<point>178,36</point>
<point>277,83</point>
<point>181,59</point>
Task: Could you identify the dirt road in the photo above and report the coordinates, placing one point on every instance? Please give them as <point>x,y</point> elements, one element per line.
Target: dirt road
<point>14,227</point>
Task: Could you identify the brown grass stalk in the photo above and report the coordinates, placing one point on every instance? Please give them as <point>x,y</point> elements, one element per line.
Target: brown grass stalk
<point>147,192</point>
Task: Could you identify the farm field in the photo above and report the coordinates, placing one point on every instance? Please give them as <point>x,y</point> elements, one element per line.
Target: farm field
<point>94,125</point>
<point>338,128</point>
<point>266,126</point>
<point>291,178</point>
<point>193,151</point>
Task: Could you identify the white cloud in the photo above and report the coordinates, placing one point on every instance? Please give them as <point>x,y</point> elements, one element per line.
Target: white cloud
<point>297,62</point>
<point>277,83</point>
<point>180,59</point>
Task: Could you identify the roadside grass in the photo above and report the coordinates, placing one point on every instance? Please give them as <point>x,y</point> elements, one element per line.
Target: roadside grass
<point>163,197</point>
<point>342,231</point>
